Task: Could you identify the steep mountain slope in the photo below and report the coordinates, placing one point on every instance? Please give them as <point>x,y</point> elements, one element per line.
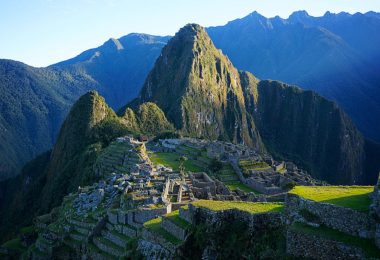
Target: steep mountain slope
<point>121,65</point>
<point>204,95</point>
<point>35,101</point>
<point>334,55</point>
<point>306,128</point>
<point>199,89</point>
<point>88,129</point>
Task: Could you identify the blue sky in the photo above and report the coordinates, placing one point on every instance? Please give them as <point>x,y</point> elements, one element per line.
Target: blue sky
<point>42,32</point>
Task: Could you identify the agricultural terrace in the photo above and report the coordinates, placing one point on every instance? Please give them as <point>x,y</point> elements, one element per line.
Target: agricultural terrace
<point>251,207</point>
<point>155,227</point>
<point>354,197</point>
<point>368,246</point>
<point>250,165</point>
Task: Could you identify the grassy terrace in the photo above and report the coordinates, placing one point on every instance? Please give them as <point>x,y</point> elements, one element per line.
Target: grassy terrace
<point>251,207</point>
<point>253,165</point>
<point>354,197</point>
<point>154,226</point>
<point>233,185</point>
<point>172,160</point>
<point>174,217</point>
<point>368,246</point>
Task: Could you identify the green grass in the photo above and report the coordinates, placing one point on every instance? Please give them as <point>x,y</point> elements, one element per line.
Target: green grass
<point>251,207</point>
<point>233,185</point>
<point>174,217</point>
<point>354,197</point>
<point>14,244</point>
<point>154,226</point>
<point>172,160</point>
<point>368,246</point>
<point>27,230</point>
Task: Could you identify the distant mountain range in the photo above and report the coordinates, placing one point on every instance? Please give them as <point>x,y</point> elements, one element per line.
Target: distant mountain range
<point>335,55</point>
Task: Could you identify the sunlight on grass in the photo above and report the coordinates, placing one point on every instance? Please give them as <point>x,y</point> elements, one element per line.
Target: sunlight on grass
<point>251,207</point>
<point>172,160</point>
<point>354,197</point>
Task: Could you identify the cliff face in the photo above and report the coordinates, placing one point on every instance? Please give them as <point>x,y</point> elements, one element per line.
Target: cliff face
<point>199,90</point>
<point>304,127</point>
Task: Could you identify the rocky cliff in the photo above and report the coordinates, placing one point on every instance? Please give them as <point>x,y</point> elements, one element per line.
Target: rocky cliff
<point>305,127</point>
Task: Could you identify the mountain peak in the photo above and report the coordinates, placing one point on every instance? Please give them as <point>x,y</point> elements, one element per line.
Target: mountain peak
<point>190,32</point>
<point>299,16</point>
<point>197,86</point>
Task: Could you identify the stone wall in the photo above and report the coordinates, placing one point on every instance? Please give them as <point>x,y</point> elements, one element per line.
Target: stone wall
<point>173,229</point>
<point>142,216</point>
<point>112,217</point>
<point>157,239</point>
<point>153,251</point>
<point>252,183</point>
<point>314,247</point>
<point>255,222</point>
<point>186,215</point>
<point>343,219</point>
<point>375,211</point>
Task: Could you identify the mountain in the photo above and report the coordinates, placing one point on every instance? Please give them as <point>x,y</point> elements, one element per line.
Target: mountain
<point>120,65</point>
<point>35,101</point>
<point>202,93</point>
<point>199,89</point>
<point>306,128</point>
<point>88,129</point>
<point>335,55</point>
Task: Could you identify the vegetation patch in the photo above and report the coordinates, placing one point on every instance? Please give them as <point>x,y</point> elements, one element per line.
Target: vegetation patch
<point>354,197</point>
<point>174,217</point>
<point>251,207</point>
<point>14,244</point>
<point>154,226</point>
<point>368,246</point>
<point>249,165</point>
<point>234,185</point>
<point>172,160</point>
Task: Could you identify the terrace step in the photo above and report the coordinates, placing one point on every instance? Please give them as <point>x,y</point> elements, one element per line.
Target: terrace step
<point>78,236</point>
<point>83,231</point>
<point>115,237</point>
<point>82,224</point>
<point>109,247</point>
